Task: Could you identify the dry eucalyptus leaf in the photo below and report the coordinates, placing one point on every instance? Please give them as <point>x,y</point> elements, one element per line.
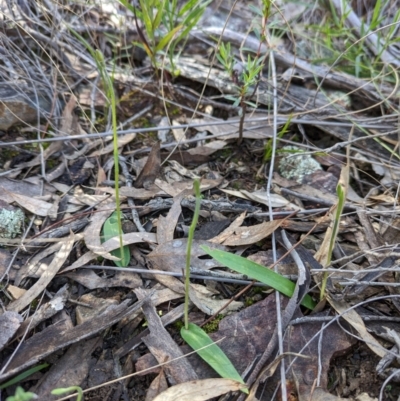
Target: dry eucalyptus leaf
<point>122,141</point>
<point>261,196</point>
<point>199,390</point>
<point>353,318</point>
<point>252,234</point>
<point>35,206</point>
<point>89,279</point>
<point>171,256</point>
<point>219,239</point>
<point>22,187</point>
<point>92,232</point>
<point>37,288</point>
<point>111,244</point>
<point>157,386</point>
<point>151,169</point>
<point>210,305</point>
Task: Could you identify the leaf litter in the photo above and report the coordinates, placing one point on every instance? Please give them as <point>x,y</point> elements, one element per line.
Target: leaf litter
<point>66,304</point>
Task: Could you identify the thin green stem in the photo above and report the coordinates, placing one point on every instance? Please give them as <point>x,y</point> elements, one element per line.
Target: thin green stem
<point>109,87</point>
<point>196,187</point>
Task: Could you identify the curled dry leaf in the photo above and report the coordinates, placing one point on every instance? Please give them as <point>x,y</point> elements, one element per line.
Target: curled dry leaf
<point>111,244</point>
<point>93,230</point>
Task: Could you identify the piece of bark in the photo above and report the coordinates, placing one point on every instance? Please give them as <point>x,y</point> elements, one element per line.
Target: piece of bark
<point>70,370</point>
<point>9,323</point>
<point>56,337</point>
<point>46,311</point>
<point>164,348</point>
<point>18,105</point>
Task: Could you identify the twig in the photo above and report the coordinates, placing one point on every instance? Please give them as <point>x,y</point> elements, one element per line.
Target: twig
<point>131,203</point>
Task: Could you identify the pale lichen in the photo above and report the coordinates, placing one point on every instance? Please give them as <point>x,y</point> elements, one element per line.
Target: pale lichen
<point>296,167</point>
<point>11,222</point>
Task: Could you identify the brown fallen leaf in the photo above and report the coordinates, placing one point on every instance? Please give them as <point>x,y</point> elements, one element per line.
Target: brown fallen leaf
<point>92,232</point>
<point>355,320</point>
<point>171,256</point>
<point>35,206</point>
<point>199,390</point>
<point>151,169</point>
<point>91,280</point>
<point>53,268</point>
<point>166,225</point>
<point>252,234</point>
<point>157,386</point>
<point>222,237</point>
<point>111,244</point>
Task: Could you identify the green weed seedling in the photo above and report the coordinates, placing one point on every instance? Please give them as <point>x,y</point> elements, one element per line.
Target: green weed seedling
<point>196,337</point>
<point>167,23</point>
<point>62,391</point>
<point>22,395</point>
<point>245,76</point>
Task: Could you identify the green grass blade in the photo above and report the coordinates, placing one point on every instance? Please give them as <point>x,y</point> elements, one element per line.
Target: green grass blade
<point>196,187</point>
<point>23,375</point>
<point>167,38</point>
<point>258,272</point>
<point>197,338</point>
<point>111,230</point>
<point>158,17</point>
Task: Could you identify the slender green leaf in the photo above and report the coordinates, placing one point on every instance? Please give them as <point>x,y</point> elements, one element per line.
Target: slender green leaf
<point>167,38</point>
<point>197,338</point>
<point>159,14</point>
<point>258,272</point>
<point>23,375</point>
<point>147,18</point>
<point>111,230</point>
<point>196,187</point>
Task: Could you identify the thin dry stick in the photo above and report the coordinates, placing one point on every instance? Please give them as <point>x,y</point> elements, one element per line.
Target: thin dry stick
<point>279,328</point>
